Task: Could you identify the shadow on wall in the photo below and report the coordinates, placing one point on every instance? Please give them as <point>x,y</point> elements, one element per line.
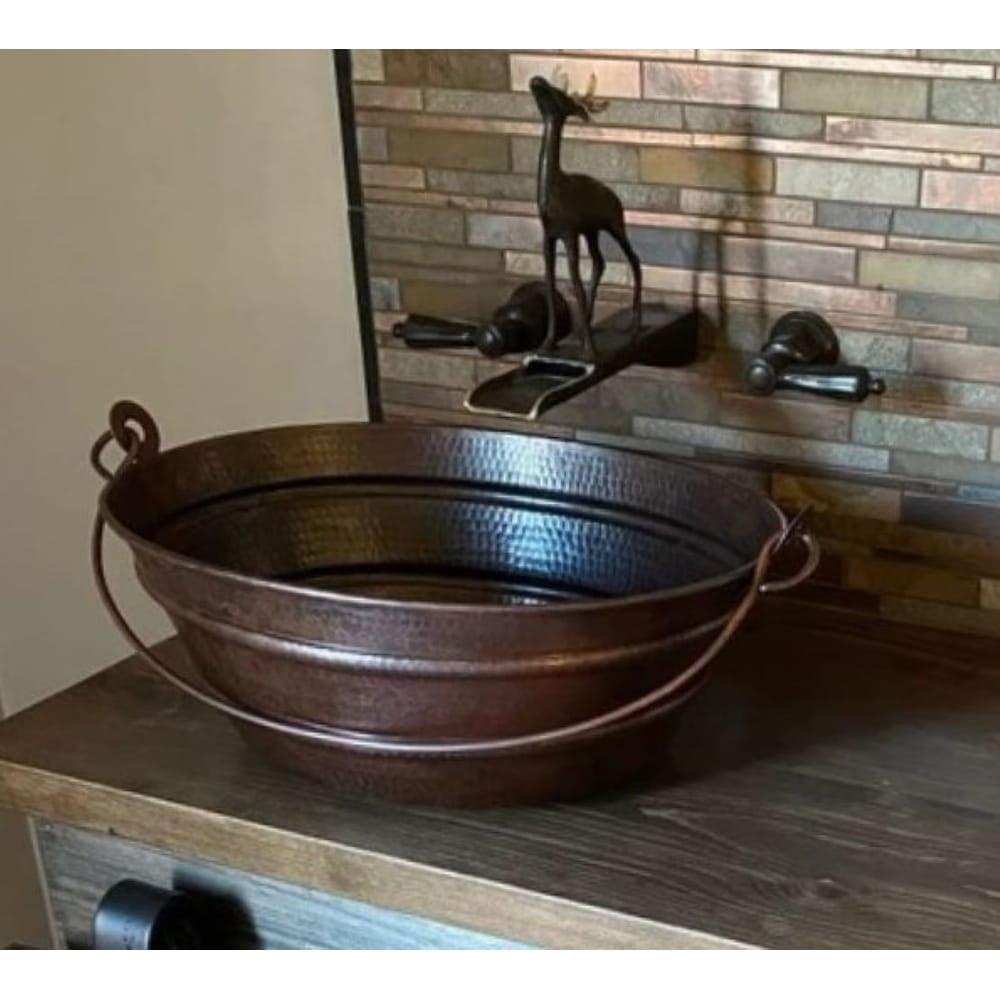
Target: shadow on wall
<point>740,258</point>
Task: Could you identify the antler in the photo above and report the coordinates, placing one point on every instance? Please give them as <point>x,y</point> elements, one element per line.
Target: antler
<point>592,103</point>
<point>589,99</point>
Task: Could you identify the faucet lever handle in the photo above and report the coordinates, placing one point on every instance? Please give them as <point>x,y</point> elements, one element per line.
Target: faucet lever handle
<point>852,383</point>
<point>802,353</point>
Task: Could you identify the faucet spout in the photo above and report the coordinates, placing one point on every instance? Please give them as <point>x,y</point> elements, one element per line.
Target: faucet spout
<point>667,339</point>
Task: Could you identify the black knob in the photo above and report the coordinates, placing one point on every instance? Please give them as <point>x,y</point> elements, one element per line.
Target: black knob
<point>493,340</point>
<point>521,323</point>
<point>135,916</point>
<point>761,376</point>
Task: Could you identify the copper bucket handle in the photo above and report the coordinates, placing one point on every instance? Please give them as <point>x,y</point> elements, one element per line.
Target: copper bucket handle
<point>140,448</point>
<point>137,447</point>
<point>795,532</point>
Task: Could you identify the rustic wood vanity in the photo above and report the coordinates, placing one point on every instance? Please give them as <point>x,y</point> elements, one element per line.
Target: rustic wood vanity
<point>834,785</point>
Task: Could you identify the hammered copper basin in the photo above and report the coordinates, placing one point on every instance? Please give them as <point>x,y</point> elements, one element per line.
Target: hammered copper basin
<point>437,593</point>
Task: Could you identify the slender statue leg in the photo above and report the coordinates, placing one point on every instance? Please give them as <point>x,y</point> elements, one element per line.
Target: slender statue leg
<point>549,253</point>
<point>573,260</point>
<point>633,258</point>
<point>597,270</point>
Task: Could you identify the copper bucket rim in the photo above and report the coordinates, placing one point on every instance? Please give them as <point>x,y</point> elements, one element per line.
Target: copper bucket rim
<point>333,597</point>
<point>144,448</point>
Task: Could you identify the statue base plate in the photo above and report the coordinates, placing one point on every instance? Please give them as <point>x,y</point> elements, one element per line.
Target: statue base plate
<point>668,339</point>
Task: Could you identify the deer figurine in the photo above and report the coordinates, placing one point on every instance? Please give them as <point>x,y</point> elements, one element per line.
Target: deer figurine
<point>574,205</point>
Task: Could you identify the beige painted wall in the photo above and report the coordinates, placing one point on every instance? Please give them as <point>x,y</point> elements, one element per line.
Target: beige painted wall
<point>172,229</point>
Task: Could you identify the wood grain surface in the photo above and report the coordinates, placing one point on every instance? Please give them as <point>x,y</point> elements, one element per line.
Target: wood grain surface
<point>834,785</point>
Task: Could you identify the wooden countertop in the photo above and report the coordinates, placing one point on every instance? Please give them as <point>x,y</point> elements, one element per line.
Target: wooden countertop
<point>837,784</point>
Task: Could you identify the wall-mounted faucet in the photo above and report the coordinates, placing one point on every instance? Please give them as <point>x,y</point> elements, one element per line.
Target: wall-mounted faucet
<point>571,208</point>
<point>802,352</point>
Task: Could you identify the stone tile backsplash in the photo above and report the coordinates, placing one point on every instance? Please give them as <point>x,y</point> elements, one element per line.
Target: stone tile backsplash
<point>862,184</point>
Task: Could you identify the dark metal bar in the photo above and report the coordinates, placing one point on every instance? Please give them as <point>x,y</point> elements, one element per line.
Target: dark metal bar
<point>356,225</point>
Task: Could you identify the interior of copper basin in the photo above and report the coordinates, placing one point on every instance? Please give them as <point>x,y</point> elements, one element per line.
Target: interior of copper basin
<point>466,541</point>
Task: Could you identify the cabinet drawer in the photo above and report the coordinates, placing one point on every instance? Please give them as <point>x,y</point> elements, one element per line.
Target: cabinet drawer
<point>81,866</point>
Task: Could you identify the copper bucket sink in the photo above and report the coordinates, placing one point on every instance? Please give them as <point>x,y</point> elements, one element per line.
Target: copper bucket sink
<point>438,614</point>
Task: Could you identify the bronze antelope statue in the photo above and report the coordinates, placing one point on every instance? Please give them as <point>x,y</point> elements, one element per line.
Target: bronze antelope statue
<point>574,205</point>
<point>571,206</point>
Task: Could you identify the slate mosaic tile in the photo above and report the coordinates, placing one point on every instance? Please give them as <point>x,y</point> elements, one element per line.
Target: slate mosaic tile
<point>854,182</point>
<point>844,215</point>
<point>605,161</point>
<point>783,415</point>
<point>747,199</point>
<point>911,579</point>
<point>907,135</point>
<point>615,77</point>
<point>465,151</point>
<point>415,223</point>
<point>961,101</point>
<point>752,121</point>
<point>963,517</point>
<point>938,615</point>
<point>781,446</point>
<point>711,84</point>
<point>965,192</point>
<point>845,497</point>
<point>940,437</point>
<point>921,273</point>
<point>692,168</point>
<point>946,468</point>
<point>846,93</point>
<point>970,55</point>
<point>373,144</point>
<point>479,69</point>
